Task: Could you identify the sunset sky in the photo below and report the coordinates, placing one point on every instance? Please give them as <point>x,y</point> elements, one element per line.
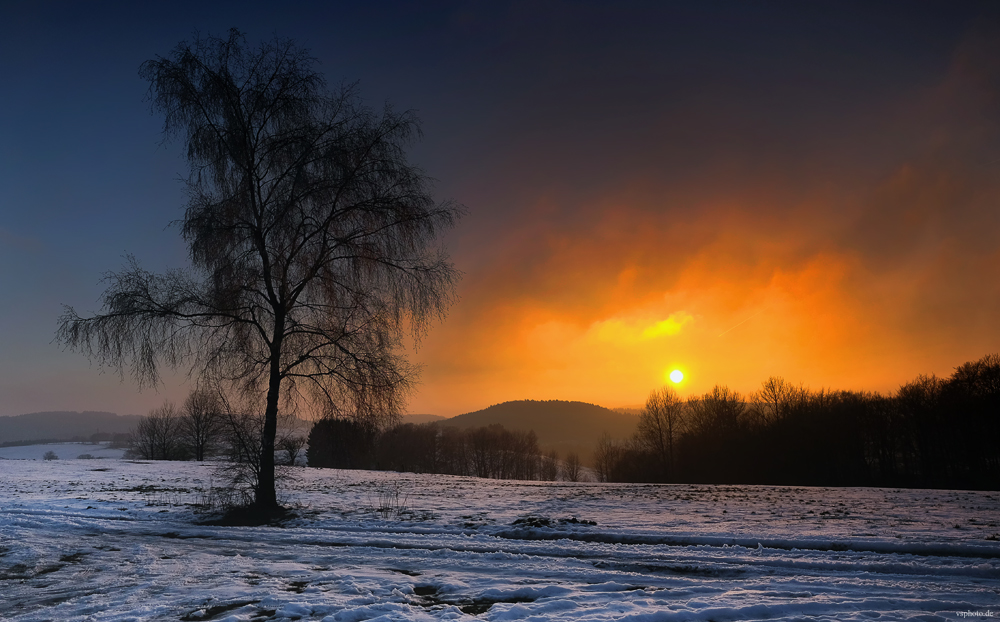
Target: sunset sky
<point>732,189</point>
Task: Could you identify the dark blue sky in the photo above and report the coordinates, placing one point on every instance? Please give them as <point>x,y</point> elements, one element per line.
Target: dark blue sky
<point>570,130</point>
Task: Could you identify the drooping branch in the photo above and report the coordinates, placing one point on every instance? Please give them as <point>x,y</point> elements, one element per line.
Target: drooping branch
<point>312,242</point>
<point>150,320</point>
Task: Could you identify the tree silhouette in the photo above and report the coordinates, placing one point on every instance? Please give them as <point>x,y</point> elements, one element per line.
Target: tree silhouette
<point>202,423</point>
<point>660,427</point>
<point>775,400</point>
<point>311,239</point>
<point>571,468</point>
<point>607,455</point>
<point>157,436</point>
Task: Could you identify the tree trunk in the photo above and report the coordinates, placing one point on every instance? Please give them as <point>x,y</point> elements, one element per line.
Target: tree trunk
<point>267,496</point>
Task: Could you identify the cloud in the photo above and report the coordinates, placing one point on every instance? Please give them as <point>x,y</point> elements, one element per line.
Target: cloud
<point>856,256</point>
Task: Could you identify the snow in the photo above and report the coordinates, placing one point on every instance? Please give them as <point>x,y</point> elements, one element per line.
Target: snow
<point>120,540</point>
<point>64,451</point>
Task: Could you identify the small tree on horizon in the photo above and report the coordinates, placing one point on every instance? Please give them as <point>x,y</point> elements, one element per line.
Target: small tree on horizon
<point>775,400</point>
<point>548,468</point>
<point>157,436</point>
<point>660,426</point>
<point>606,457</point>
<point>292,445</point>
<point>572,467</point>
<point>202,423</point>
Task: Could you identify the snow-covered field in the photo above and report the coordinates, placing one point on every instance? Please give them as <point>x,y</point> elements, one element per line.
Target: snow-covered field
<point>63,451</point>
<point>118,540</point>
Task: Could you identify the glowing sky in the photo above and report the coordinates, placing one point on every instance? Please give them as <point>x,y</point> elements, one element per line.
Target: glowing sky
<point>728,189</point>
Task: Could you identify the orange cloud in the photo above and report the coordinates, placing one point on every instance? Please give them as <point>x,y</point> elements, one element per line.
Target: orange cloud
<point>862,283</point>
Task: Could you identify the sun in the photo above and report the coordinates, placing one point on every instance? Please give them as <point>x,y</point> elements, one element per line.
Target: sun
<point>676,376</point>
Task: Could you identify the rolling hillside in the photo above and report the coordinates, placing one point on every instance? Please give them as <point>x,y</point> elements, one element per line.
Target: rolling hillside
<point>62,425</point>
<point>563,426</point>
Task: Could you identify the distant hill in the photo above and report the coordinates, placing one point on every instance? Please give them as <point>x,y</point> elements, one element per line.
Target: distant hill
<point>422,418</point>
<point>63,425</point>
<point>563,426</point>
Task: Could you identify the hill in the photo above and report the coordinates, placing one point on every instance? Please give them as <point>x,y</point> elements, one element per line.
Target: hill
<point>422,418</point>
<point>560,425</point>
<point>63,425</point>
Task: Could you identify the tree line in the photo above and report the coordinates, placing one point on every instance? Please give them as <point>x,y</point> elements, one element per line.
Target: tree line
<point>931,433</point>
<point>490,451</point>
<point>203,428</point>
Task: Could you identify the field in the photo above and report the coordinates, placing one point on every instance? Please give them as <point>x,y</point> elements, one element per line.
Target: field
<point>109,539</point>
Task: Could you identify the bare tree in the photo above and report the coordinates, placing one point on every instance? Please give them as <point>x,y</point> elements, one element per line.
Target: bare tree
<point>491,451</point>
<point>243,440</point>
<point>523,455</point>
<point>292,445</point>
<point>607,457</point>
<point>571,467</point>
<point>484,450</point>
<point>201,423</point>
<point>660,426</point>
<point>312,241</point>
<point>548,470</point>
<point>775,400</point>
<point>719,412</point>
<point>455,453</point>
<point>157,436</point>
